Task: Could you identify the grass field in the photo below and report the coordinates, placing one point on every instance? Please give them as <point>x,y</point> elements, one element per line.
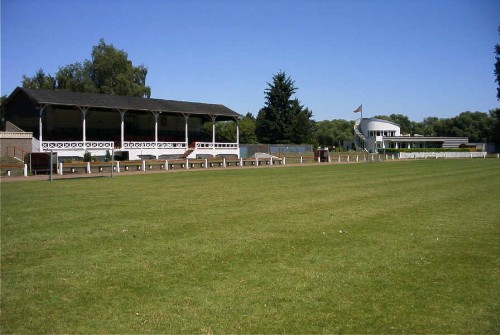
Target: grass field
<point>395,247</point>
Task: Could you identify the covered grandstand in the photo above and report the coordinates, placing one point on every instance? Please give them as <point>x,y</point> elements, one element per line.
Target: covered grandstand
<point>72,123</point>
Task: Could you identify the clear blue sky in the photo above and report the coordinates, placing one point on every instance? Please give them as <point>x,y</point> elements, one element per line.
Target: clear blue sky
<point>418,57</point>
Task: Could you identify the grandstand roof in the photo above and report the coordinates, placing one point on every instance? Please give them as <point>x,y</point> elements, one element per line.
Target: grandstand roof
<point>116,102</point>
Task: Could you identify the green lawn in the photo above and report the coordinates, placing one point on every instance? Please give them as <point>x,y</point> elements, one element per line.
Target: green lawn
<point>395,247</point>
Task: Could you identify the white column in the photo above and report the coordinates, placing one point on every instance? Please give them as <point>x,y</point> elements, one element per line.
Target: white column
<point>213,134</point>
<point>40,126</point>
<point>40,129</point>
<point>157,116</point>
<point>84,125</point>
<point>122,126</point>
<point>186,117</point>
<point>238,136</point>
<point>84,111</point>
<point>238,133</point>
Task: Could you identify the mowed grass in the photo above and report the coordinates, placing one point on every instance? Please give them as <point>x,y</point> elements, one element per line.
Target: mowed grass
<point>396,247</point>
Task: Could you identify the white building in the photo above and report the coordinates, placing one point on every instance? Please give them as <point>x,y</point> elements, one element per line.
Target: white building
<point>373,134</point>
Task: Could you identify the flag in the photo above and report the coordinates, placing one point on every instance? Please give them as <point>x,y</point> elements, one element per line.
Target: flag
<point>359,109</point>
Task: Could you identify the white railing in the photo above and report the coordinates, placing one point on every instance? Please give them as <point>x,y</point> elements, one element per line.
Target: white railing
<point>12,134</point>
<point>76,145</point>
<point>445,154</point>
<point>210,145</point>
<point>154,145</point>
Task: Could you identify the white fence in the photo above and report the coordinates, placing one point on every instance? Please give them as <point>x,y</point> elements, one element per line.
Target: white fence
<point>76,145</point>
<point>153,145</point>
<point>424,155</point>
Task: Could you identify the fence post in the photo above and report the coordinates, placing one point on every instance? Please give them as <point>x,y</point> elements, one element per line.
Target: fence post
<point>88,167</point>
<point>166,164</point>
<point>223,161</point>
<point>61,168</point>
<point>187,163</point>
<point>284,160</point>
<point>357,158</point>
<point>118,166</point>
<point>256,161</point>
<point>241,161</point>
<point>319,160</point>
<point>347,158</point>
<point>339,159</point>
<point>301,161</point>
<point>25,170</point>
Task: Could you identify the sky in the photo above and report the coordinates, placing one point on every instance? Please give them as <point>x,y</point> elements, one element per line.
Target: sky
<point>418,58</point>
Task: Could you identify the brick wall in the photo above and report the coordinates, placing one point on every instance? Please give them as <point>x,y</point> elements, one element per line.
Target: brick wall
<point>15,146</point>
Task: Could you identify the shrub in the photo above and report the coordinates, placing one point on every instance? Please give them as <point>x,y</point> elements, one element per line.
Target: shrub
<point>87,156</point>
<point>392,150</point>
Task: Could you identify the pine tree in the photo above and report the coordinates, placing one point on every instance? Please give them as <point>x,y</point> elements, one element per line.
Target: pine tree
<point>283,119</point>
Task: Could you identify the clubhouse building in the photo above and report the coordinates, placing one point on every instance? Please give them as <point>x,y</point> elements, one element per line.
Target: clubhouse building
<point>373,134</point>
<point>72,123</point>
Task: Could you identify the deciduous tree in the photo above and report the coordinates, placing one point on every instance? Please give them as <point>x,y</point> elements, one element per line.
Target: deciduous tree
<point>39,80</point>
<point>108,71</point>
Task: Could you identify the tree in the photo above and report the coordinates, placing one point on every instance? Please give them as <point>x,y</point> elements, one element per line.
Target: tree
<point>226,130</point>
<point>477,126</point>
<point>495,132</point>
<point>334,132</point>
<point>3,98</point>
<point>403,121</point>
<point>247,129</point>
<point>76,77</point>
<point>109,71</point>
<point>283,119</point>
<point>39,80</point>
<point>113,73</point>
<point>497,66</point>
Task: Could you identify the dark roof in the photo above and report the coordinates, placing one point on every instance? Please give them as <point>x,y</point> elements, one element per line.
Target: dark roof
<point>106,101</point>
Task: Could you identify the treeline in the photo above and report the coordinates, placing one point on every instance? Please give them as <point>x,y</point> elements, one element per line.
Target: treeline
<point>282,119</point>
<point>479,127</point>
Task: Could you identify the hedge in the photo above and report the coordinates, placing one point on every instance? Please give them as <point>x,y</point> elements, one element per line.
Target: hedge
<point>392,150</point>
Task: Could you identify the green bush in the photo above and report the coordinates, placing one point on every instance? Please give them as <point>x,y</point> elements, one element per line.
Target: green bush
<point>87,156</point>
